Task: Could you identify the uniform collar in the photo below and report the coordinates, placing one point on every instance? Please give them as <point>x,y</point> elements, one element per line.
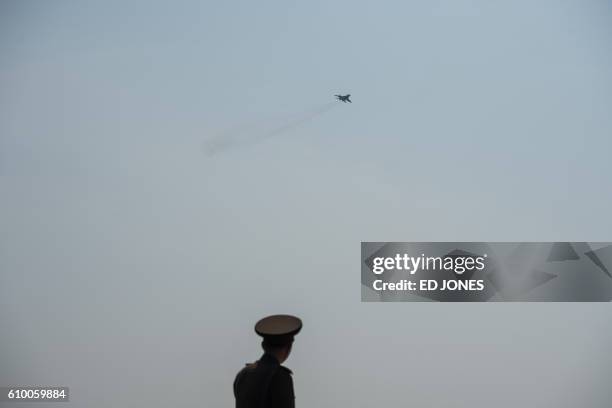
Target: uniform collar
<point>269,359</point>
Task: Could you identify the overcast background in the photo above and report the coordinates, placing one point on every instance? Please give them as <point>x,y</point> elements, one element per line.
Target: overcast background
<point>133,265</point>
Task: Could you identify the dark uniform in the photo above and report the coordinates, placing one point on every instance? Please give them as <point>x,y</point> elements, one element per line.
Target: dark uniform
<point>265,383</point>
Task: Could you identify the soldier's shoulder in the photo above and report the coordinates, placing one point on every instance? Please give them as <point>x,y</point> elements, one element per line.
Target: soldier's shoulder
<point>285,370</point>
<point>281,385</point>
<point>248,367</point>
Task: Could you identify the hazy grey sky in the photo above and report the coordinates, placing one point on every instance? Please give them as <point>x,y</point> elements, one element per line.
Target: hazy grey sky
<point>133,265</point>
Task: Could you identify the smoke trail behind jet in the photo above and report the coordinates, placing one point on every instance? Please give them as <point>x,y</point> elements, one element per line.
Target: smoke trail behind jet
<point>248,136</point>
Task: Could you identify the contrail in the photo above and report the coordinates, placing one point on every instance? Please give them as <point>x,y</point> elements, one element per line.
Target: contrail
<point>225,142</point>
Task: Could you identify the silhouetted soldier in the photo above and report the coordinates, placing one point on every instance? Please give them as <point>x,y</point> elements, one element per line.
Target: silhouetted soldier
<point>266,383</point>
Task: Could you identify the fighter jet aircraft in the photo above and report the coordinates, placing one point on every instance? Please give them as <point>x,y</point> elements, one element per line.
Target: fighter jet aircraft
<point>344,98</point>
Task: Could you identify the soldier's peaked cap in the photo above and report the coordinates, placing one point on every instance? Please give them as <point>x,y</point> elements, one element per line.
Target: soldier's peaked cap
<point>278,329</point>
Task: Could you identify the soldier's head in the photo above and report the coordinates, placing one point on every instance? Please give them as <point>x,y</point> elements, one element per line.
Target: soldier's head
<point>280,351</point>
<point>278,332</point>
